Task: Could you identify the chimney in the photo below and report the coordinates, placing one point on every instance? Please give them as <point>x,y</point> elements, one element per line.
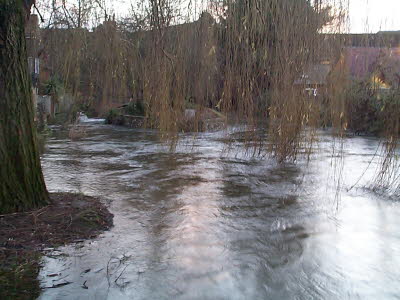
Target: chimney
<point>32,26</point>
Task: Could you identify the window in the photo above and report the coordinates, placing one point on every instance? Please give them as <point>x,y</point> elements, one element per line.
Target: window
<point>36,65</point>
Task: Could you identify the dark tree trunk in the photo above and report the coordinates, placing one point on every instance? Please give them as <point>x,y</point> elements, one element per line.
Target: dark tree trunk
<point>22,185</point>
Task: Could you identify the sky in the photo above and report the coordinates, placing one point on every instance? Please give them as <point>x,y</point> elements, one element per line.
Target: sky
<point>374,15</point>
<point>364,15</point>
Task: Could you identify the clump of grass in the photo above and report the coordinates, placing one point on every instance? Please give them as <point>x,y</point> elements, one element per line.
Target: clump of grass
<point>18,273</point>
<point>112,116</point>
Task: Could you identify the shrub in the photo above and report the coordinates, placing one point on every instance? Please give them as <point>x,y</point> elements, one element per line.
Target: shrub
<point>135,109</point>
<point>112,116</point>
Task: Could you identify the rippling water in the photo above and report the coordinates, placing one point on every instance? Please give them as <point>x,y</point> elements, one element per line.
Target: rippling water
<point>203,223</point>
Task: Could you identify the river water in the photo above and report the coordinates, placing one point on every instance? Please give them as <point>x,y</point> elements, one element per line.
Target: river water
<point>206,223</point>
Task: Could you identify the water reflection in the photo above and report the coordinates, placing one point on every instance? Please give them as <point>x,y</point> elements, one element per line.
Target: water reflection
<point>196,224</point>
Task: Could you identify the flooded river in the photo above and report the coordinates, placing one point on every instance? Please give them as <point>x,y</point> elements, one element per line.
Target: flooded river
<point>205,223</point>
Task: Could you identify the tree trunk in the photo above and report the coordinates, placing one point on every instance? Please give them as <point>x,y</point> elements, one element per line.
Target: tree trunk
<point>22,184</point>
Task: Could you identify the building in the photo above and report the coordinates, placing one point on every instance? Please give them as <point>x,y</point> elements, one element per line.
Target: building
<point>32,34</point>
<point>378,66</point>
<point>44,105</point>
<point>314,79</point>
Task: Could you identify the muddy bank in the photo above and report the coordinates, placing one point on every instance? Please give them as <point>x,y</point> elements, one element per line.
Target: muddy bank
<point>70,217</point>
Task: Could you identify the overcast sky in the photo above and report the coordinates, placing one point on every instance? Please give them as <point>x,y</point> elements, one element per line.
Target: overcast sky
<point>365,15</point>
<point>374,15</point>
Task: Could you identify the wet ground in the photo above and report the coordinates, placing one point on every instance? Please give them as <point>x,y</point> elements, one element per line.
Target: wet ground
<point>204,223</point>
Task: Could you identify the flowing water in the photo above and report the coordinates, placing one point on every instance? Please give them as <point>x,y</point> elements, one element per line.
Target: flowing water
<point>206,223</point>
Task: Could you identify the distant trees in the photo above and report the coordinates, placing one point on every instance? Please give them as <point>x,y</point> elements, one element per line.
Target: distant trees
<point>234,64</point>
<point>82,47</point>
<point>73,13</point>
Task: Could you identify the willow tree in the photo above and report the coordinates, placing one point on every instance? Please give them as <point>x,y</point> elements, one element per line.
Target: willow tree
<point>22,185</point>
<point>268,44</point>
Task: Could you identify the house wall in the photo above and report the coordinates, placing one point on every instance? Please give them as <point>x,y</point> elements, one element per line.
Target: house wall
<point>32,35</point>
<point>44,105</point>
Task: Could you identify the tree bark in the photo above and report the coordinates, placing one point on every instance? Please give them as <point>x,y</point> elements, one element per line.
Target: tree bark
<point>22,185</point>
